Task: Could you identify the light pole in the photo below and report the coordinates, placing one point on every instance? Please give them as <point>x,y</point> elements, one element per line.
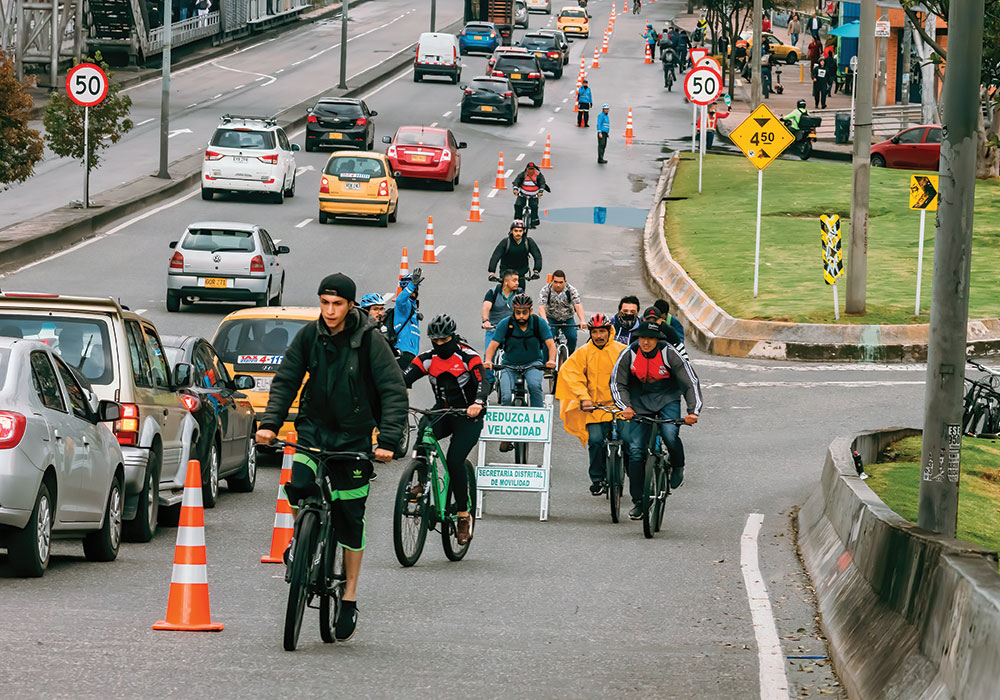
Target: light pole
<point>433,14</point>
<point>343,46</point>
<point>168,13</point>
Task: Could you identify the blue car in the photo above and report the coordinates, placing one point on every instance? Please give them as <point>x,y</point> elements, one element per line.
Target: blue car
<point>479,36</point>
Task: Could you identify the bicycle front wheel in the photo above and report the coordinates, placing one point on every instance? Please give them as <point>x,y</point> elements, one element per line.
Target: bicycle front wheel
<point>649,499</point>
<point>661,496</point>
<point>409,518</point>
<point>615,479</point>
<point>449,532</point>
<point>298,584</point>
<point>335,580</point>
<point>520,448</point>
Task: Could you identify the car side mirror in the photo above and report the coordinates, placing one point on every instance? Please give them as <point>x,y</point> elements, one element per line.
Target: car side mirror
<point>309,110</point>
<point>183,375</point>
<point>243,382</point>
<point>173,244</point>
<point>895,139</point>
<point>108,411</point>
<point>386,139</point>
<point>283,250</point>
<point>396,173</point>
<point>373,113</point>
<point>295,146</point>
<point>463,144</point>
<point>462,86</point>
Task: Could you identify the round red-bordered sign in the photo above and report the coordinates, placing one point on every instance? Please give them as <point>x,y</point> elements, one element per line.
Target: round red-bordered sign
<point>702,85</point>
<point>87,84</point>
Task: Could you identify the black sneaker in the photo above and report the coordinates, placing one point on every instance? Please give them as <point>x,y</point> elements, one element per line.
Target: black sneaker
<point>347,620</point>
<point>597,488</point>
<point>635,513</point>
<point>676,477</point>
<point>373,477</point>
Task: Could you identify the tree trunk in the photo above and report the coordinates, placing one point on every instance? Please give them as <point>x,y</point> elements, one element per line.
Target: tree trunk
<point>928,82</point>
<point>988,148</point>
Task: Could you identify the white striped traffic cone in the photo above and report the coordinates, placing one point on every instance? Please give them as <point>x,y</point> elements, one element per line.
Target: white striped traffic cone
<point>475,212</point>
<point>283,521</point>
<point>429,258</point>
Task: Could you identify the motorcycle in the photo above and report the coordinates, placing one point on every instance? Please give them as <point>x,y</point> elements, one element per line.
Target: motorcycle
<point>805,135</point>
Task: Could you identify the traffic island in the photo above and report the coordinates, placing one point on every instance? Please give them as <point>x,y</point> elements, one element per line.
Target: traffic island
<point>699,254</point>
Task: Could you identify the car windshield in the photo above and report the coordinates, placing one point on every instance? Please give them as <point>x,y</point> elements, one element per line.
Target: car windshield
<point>351,165</point>
<point>491,85</point>
<point>517,64</point>
<point>337,109</point>
<point>4,362</point>
<point>256,343</point>
<point>244,139</point>
<point>85,344</point>
<point>478,28</point>
<point>538,42</point>
<point>420,138</point>
<point>573,13</point>
<point>215,240</point>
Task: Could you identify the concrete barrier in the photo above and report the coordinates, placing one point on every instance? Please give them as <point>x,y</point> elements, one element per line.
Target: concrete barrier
<point>908,614</point>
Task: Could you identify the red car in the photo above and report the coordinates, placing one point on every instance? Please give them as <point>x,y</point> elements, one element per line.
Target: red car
<point>425,153</point>
<point>917,147</point>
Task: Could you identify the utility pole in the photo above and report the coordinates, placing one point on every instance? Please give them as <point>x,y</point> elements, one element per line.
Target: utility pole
<point>883,68</point>
<point>904,96</point>
<point>168,16</point>
<point>857,256</point>
<point>343,46</point>
<point>758,15</point>
<point>433,14</point>
<point>940,456</point>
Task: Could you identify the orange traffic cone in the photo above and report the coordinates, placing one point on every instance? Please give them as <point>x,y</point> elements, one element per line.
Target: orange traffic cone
<point>501,183</point>
<point>283,522</point>
<point>583,65</point>
<point>649,56</point>
<point>547,154</point>
<point>429,258</point>
<point>625,7</point>
<point>404,269</point>
<point>475,211</point>
<point>604,44</point>
<point>628,125</point>
<point>597,52</point>
<point>187,606</point>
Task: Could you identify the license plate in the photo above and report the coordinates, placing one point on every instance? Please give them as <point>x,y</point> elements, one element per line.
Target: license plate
<point>486,108</point>
<point>539,54</point>
<point>240,159</point>
<point>335,135</point>
<point>262,383</point>
<point>352,185</point>
<point>515,76</point>
<point>418,159</point>
<point>215,282</point>
<point>477,38</point>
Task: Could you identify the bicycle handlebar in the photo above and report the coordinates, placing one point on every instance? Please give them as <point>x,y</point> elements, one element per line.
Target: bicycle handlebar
<point>658,421</point>
<point>439,411</point>
<point>983,368</point>
<point>326,454</point>
<point>519,369</point>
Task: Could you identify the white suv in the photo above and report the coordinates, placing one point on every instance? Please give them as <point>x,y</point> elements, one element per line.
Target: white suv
<point>249,154</point>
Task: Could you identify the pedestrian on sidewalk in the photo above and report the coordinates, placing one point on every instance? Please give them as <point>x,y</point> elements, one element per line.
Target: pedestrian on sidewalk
<point>830,65</point>
<point>603,131</point>
<point>819,79</point>
<point>814,27</point>
<point>584,98</point>
<point>815,49</point>
<point>794,29</point>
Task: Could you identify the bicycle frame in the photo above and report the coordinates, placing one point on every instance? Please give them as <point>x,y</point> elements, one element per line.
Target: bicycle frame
<point>430,451</point>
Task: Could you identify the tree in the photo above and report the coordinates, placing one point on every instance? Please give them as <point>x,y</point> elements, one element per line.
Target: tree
<point>20,147</point>
<point>732,17</point>
<point>108,121</point>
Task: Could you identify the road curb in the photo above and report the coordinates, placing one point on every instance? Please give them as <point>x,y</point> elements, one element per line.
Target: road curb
<point>908,613</point>
<point>28,240</point>
<point>713,330</point>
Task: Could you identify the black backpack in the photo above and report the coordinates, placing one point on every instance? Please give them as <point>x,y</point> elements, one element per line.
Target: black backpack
<point>536,328</point>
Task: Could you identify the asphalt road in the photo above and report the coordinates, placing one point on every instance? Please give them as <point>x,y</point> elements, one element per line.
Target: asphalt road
<point>572,608</point>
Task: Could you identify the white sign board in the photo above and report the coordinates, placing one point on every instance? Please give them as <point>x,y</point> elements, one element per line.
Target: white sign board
<point>512,477</point>
<point>882,28</point>
<point>702,86</point>
<point>517,424</point>
<point>709,62</point>
<point>87,84</point>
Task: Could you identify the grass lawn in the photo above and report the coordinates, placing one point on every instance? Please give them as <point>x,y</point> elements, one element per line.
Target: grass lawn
<point>712,236</point>
<point>897,483</point>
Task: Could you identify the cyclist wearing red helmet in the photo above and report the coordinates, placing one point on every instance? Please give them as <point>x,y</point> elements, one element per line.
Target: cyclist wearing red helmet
<point>585,380</point>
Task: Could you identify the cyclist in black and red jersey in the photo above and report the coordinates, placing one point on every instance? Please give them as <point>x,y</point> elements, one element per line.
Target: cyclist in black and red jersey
<point>459,381</point>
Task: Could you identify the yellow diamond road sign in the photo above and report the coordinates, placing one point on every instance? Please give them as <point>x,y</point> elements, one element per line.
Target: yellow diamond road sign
<point>762,137</point>
<point>924,192</point>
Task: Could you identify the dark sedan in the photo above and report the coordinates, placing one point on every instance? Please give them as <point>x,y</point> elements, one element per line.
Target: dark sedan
<point>546,49</point>
<point>492,98</point>
<point>226,423</point>
<point>524,73</point>
<point>340,122</point>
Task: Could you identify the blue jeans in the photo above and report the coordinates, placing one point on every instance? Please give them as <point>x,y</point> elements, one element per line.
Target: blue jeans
<point>637,435</point>
<point>533,378</point>
<point>569,331</point>
<point>490,376</point>
<point>596,434</point>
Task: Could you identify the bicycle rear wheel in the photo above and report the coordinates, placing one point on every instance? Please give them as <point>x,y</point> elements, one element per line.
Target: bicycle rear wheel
<point>449,533</point>
<point>661,496</point>
<point>334,581</point>
<point>409,518</point>
<point>649,499</point>
<point>298,584</point>
<point>615,479</point>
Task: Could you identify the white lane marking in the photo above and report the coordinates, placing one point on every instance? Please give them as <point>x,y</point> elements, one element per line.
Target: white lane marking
<point>773,682</point>
<point>531,143</point>
<point>542,130</point>
<point>239,86</point>
<point>508,173</point>
<point>141,311</point>
<point>175,132</point>
<point>174,74</point>
<point>555,110</point>
<point>433,124</point>
<point>459,231</point>
<point>303,223</point>
<point>860,384</point>
<point>550,119</point>
<point>437,251</point>
<point>385,85</point>
<point>447,114</point>
<point>565,100</point>
<point>744,367</point>
<point>520,156</point>
<point>458,104</point>
<point>300,62</point>
<point>109,232</point>
<point>193,104</point>
<point>257,80</point>
<point>303,169</point>
<point>492,194</point>
<point>270,78</point>
<point>280,70</point>
<point>145,121</point>
<point>215,97</point>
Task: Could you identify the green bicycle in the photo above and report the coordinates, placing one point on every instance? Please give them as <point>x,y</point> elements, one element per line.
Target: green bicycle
<point>422,501</point>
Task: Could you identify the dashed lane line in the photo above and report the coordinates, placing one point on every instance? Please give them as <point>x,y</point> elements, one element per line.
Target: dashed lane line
<point>459,231</point>
<point>856,367</point>
<point>239,86</point>
<point>531,143</point>
<point>437,251</point>
<point>145,121</point>
<point>542,130</point>
<point>550,119</point>
<point>303,223</point>
<point>433,124</point>
<point>520,156</point>
<point>493,193</point>
<point>447,114</point>
<point>565,100</point>
<point>193,104</point>
<point>215,97</point>
<point>508,173</point>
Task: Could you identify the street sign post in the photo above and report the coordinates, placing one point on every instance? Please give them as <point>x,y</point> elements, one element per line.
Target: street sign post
<point>882,29</point>
<point>708,62</point>
<point>702,87</point>
<point>762,137</point>
<point>87,86</point>
<point>833,256</point>
<point>924,196</point>
<point>696,54</point>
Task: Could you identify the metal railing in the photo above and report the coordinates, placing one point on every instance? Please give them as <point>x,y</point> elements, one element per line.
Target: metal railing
<point>886,121</point>
<point>184,32</point>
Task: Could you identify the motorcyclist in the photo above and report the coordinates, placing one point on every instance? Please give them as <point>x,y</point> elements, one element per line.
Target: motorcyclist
<point>796,114</point>
<point>527,187</point>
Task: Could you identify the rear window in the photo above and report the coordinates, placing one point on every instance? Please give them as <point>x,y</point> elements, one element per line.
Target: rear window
<point>491,85</point>
<point>216,240</point>
<point>337,109</point>
<point>572,13</point>
<point>517,64</point>
<point>347,166</point>
<point>243,138</point>
<point>256,344</point>
<point>538,42</point>
<point>4,363</point>
<point>421,138</point>
<point>478,28</point>
<point>85,344</point>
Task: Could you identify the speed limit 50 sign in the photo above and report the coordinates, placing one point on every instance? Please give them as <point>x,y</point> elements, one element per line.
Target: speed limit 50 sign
<point>702,85</point>
<point>87,84</point>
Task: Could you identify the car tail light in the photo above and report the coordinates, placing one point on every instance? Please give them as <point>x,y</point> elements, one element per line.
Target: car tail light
<point>469,91</point>
<point>534,75</point>
<point>312,119</point>
<point>492,35</point>
<point>11,429</point>
<point>454,53</point>
<point>177,261</point>
<point>191,403</point>
<point>391,152</point>
<point>271,159</point>
<point>463,32</point>
<point>324,186</point>
<point>361,121</point>
<point>498,74</point>
<point>416,59</point>
<point>446,154</point>
<point>212,155</point>
<point>256,264</point>
<point>383,188</point>
<point>126,428</point>
<point>553,54</point>
<point>508,94</point>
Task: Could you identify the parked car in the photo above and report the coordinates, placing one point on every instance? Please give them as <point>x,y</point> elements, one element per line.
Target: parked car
<point>779,49</point>
<point>249,154</point>
<point>574,21</point>
<point>62,473</point>
<point>479,37</point>
<point>225,261</point>
<point>492,98</point>
<point>358,184</point>
<point>224,439</point>
<point>524,73</point>
<point>540,6</point>
<point>340,122</point>
<point>545,48</point>
<point>521,14</point>
<point>426,153</point>
<point>437,54</point>
<point>119,352</point>
<point>561,40</point>
<point>917,147</point>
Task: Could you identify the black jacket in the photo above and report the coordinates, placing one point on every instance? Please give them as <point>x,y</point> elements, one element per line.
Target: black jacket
<point>346,396</point>
<point>514,256</point>
<point>539,178</point>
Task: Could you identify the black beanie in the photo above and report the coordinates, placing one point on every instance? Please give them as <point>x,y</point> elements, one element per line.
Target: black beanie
<point>339,285</point>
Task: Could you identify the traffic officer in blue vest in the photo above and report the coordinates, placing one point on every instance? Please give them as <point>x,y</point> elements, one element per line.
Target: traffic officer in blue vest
<point>603,130</point>
<point>584,98</point>
<point>528,186</point>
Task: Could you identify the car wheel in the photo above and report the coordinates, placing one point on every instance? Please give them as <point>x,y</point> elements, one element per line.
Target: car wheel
<point>210,484</point>
<point>244,480</point>
<point>464,118</point>
<point>395,213</point>
<point>103,544</point>
<point>290,192</point>
<point>173,302</point>
<point>323,217</point>
<point>279,297</point>
<point>416,77</point>
<point>142,527</point>
<point>877,161</point>
<point>537,101</point>
<point>279,196</point>
<point>207,194</point>
<point>383,220</point>
<point>791,58</point>
<point>262,298</point>
<point>309,147</point>
<point>28,550</point>
<point>558,74</point>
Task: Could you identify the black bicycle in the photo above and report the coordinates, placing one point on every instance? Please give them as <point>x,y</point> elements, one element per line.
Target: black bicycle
<point>981,410</point>
<point>562,350</point>
<point>520,398</point>
<point>615,463</point>
<point>316,561</point>
<point>524,211</point>
<point>656,481</point>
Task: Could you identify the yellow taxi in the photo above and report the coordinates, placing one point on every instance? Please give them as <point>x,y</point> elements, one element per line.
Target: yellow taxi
<point>358,184</point>
<point>779,49</point>
<point>573,21</point>
<point>254,341</point>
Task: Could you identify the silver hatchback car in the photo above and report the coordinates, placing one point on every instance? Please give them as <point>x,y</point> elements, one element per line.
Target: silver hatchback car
<point>225,261</point>
<point>62,472</point>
